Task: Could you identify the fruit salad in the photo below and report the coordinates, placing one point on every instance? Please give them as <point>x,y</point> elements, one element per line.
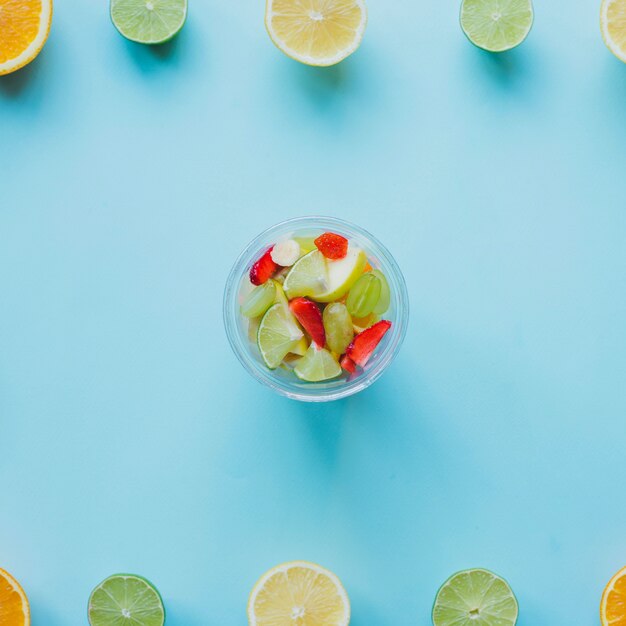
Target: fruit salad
<point>315,306</point>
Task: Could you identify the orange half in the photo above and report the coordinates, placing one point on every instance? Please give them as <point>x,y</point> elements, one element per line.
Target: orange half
<point>14,609</point>
<point>613,605</point>
<point>24,28</point>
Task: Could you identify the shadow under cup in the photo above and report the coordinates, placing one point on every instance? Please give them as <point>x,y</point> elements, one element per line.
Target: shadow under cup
<point>284,381</point>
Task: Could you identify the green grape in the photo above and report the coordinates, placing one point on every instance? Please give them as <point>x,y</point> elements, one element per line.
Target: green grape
<point>385,295</point>
<point>364,295</point>
<point>259,300</point>
<point>338,327</point>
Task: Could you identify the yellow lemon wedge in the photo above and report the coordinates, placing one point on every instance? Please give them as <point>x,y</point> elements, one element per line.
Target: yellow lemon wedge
<point>613,25</point>
<point>316,32</point>
<point>24,28</point>
<point>298,593</point>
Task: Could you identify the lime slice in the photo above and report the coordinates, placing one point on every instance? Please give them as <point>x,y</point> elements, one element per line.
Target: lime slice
<point>149,21</point>
<point>475,597</point>
<point>316,365</point>
<point>496,25</point>
<point>301,347</point>
<point>124,598</point>
<point>308,276</point>
<point>280,294</point>
<point>322,280</point>
<point>259,299</point>
<point>278,335</point>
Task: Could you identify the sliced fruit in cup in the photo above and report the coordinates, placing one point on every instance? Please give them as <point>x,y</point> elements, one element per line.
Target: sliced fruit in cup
<point>475,596</point>
<point>126,598</point>
<point>314,320</point>
<point>316,32</point>
<point>278,335</point>
<point>298,593</point>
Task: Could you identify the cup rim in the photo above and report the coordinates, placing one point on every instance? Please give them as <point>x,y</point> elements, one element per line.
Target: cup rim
<point>313,391</point>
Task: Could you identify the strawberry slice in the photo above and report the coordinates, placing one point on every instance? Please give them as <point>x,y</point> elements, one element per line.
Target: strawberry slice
<point>309,315</point>
<point>348,364</point>
<point>365,342</point>
<point>332,246</point>
<point>263,269</point>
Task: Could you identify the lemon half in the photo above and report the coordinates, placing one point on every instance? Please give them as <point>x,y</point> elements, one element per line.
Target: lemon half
<point>316,32</point>
<point>299,593</point>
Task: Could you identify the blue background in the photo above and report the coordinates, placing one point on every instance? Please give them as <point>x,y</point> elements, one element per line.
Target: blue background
<point>130,437</point>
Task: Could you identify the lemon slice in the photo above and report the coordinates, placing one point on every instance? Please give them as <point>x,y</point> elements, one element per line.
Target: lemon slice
<point>613,24</point>
<point>316,365</point>
<point>322,280</point>
<point>316,32</point>
<point>299,593</point>
<point>278,335</point>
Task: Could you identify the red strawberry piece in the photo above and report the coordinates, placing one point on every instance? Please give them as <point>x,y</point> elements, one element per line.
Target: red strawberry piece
<point>332,246</point>
<point>309,315</point>
<point>365,342</point>
<point>348,364</point>
<point>263,269</point>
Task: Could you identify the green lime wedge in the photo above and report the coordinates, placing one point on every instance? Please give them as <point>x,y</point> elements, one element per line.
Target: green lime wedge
<point>308,276</point>
<point>126,599</point>
<point>323,280</point>
<point>280,294</point>
<point>475,597</point>
<point>496,25</point>
<point>278,335</point>
<point>149,21</point>
<point>316,365</point>
<point>259,299</point>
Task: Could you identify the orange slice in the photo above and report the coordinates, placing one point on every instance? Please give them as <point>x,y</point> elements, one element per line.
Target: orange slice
<point>14,609</point>
<point>24,28</point>
<point>613,605</point>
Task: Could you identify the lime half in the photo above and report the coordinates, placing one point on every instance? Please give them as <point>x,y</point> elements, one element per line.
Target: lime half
<point>316,365</point>
<point>475,597</point>
<point>125,598</point>
<point>496,25</point>
<point>278,335</point>
<point>149,21</point>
